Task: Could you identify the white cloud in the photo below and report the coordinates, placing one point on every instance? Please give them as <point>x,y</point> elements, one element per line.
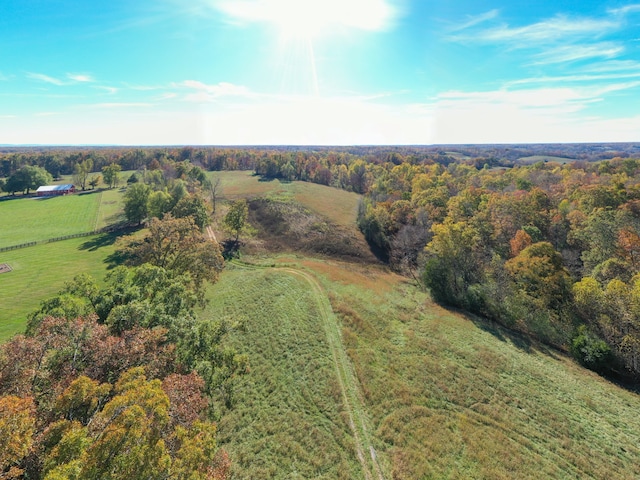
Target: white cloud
<point>473,20</point>
<point>613,66</point>
<point>581,78</point>
<point>548,31</point>
<point>110,90</point>
<point>78,77</point>
<point>548,114</point>
<point>627,9</point>
<point>571,53</point>
<point>45,78</point>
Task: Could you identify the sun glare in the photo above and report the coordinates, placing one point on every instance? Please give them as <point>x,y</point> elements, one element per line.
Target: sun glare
<point>309,18</point>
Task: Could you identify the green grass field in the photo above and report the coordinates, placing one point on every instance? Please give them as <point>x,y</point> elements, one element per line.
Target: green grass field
<point>41,271</point>
<point>443,396</point>
<point>33,219</point>
<point>289,420</point>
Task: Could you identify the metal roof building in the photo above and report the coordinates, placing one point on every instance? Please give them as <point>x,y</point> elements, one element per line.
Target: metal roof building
<point>48,190</point>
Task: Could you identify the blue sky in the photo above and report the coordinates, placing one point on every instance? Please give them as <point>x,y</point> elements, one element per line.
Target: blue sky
<point>229,72</point>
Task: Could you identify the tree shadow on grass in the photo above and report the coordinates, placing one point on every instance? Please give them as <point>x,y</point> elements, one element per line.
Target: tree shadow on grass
<point>100,241</point>
<point>107,239</point>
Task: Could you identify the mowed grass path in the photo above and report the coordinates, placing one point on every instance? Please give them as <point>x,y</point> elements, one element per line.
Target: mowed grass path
<point>445,396</point>
<point>289,420</point>
<point>41,271</point>
<point>25,220</point>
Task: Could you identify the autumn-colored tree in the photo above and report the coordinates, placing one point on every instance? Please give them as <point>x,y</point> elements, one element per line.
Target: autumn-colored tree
<point>629,242</point>
<point>453,264</point>
<point>17,426</point>
<point>521,241</point>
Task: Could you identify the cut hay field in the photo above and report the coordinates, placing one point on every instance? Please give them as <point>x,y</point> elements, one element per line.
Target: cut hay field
<point>444,396</point>
<point>40,271</point>
<point>34,219</point>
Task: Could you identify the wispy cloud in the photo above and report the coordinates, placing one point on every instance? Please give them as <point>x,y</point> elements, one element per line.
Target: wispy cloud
<point>78,77</point>
<point>582,78</point>
<point>45,78</point>
<point>572,53</point>
<point>560,27</point>
<point>613,66</point>
<point>473,20</point>
<point>110,90</point>
<point>626,10</point>
<point>3,77</point>
<point>71,78</point>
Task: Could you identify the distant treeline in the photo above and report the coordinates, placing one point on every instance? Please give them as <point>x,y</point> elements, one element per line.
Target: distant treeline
<point>62,160</point>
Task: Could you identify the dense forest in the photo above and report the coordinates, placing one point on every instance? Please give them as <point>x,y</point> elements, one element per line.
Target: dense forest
<point>550,249</point>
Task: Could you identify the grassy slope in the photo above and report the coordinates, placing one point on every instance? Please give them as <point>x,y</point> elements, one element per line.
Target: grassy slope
<point>33,219</point>
<point>446,397</point>
<point>454,398</point>
<point>338,205</point>
<point>289,421</point>
<point>40,272</point>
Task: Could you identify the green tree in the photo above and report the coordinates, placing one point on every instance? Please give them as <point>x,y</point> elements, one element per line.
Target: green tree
<point>136,201</point>
<point>28,178</point>
<point>95,180</point>
<point>453,265</point>
<point>236,218</point>
<point>159,203</point>
<point>192,206</point>
<point>81,172</point>
<point>177,245</point>
<point>111,174</point>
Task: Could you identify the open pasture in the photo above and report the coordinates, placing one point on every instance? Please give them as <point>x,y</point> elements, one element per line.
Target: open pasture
<point>40,271</point>
<point>25,220</point>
